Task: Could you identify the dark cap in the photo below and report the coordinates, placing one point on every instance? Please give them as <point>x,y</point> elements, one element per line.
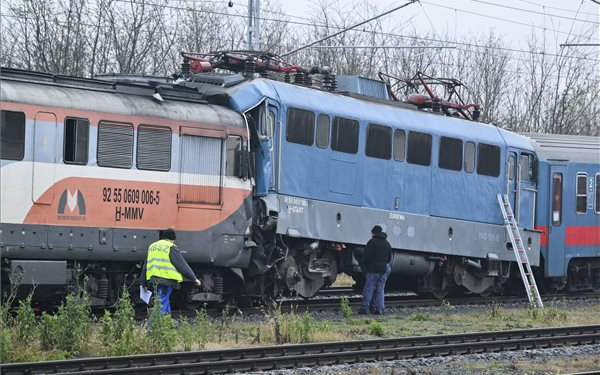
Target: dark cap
<point>167,234</point>
<point>376,229</point>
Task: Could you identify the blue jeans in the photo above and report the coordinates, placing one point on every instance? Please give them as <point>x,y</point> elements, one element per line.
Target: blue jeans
<point>164,292</point>
<point>375,285</point>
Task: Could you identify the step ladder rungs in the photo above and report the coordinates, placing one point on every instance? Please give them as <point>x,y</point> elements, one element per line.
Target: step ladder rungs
<point>520,254</point>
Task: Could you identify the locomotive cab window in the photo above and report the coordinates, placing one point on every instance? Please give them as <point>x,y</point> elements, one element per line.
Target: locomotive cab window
<point>344,135</point>
<point>451,153</point>
<point>526,167</point>
<point>419,148</point>
<point>581,189</point>
<point>75,148</point>
<point>323,131</point>
<point>233,160</point>
<point>300,126</point>
<point>556,199</point>
<point>379,141</point>
<point>12,135</point>
<point>469,157</point>
<point>115,145</point>
<point>511,166</point>
<point>399,144</point>
<point>488,161</point>
<point>154,148</point>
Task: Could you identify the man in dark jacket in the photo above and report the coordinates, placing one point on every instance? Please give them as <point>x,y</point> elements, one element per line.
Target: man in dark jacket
<point>377,258</point>
<point>165,268</point>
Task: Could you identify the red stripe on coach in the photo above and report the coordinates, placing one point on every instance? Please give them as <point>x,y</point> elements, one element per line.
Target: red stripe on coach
<point>543,235</point>
<point>581,235</point>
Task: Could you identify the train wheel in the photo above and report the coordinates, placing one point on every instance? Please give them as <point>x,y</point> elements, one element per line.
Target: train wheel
<point>486,293</point>
<point>439,293</point>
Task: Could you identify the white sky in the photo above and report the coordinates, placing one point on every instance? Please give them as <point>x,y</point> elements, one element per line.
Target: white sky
<point>555,18</point>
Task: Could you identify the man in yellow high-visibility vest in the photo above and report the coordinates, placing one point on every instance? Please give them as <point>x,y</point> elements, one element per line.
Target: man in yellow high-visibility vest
<point>165,268</point>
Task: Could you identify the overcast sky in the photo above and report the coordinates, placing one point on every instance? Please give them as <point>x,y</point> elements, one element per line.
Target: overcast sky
<point>513,20</point>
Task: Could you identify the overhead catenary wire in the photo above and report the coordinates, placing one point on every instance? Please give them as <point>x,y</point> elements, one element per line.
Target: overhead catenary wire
<point>493,17</point>
<point>535,11</point>
<point>555,8</point>
<point>348,28</point>
<point>474,45</point>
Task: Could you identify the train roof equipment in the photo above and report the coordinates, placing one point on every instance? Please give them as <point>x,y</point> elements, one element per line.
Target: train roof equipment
<point>562,147</point>
<point>418,92</point>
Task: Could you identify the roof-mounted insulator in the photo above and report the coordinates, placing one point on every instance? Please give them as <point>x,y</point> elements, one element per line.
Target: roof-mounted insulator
<point>301,78</point>
<point>476,113</point>
<point>250,66</point>
<point>287,78</point>
<point>185,67</point>
<point>329,82</point>
<point>436,105</point>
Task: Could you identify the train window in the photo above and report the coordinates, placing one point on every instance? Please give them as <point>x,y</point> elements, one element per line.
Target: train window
<point>234,146</point>
<point>115,145</point>
<point>12,135</point>
<point>300,126</point>
<point>399,144</point>
<point>469,157</point>
<point>75,148</point>
<point>526,165</point>
<point>511,166</point>
<point>557,199</point>
<point>323,131</point>
<point>597,208</point>
<point>451,154</point>
<point>379,141</point>
<point>344,135</point>
<point>419,148</point>
<point>581,193</point>
<point>153,148</point>
<point>488,162</point>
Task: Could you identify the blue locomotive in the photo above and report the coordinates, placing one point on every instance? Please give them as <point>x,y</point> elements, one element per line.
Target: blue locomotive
<point>273,186</point>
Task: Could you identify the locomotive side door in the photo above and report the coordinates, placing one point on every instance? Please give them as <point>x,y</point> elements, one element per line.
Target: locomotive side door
<point>44,157</point>
<point>556,227</point>
<point>511,171</point>
<point>275,130</point>
<point>265,118</point>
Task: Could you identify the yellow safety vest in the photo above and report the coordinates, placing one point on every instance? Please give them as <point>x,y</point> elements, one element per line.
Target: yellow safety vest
<point>159,264</point>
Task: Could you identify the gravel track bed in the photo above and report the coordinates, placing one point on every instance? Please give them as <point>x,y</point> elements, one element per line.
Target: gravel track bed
<point>451,365</point>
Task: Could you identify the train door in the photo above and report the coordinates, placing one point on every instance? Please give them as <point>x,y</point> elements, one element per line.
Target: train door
<point>511,171</point>
<point>265,118</point>
<point>44,157</point>
<point>275,131</point>
<point>527,190</point>
<point>556,226</point>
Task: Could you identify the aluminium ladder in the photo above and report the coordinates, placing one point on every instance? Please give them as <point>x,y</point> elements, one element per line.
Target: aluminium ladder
<point>515,238</point>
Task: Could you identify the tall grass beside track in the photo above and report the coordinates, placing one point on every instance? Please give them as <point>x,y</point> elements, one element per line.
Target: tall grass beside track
<point>73,333</point>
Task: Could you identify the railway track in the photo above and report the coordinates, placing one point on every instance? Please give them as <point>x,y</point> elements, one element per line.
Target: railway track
<point>392,302</point>
<point>407,301</point>
<point>328,353</point>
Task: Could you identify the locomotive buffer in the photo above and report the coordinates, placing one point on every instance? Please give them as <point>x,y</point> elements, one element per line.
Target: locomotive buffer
<point>515,238</point>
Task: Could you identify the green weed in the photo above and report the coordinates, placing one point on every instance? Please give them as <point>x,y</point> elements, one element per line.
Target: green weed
<point>25,322</point>
<point>161,331</point>
<point>346,309</point>
<point>202,323</point>
<point>376,328</point>
<point>186,334</point>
